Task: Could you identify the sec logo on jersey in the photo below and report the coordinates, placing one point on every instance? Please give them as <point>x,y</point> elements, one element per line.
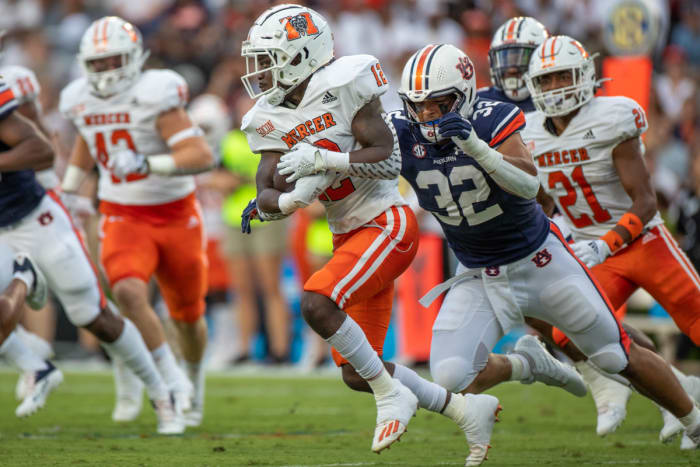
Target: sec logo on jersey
<point>418,151</point>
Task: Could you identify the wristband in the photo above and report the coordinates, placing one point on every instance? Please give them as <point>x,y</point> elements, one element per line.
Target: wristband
<point>337,161</point>
<point>162,164</point>
<point>73,178</point>
<point>286,203</point>
<point>632,223</point>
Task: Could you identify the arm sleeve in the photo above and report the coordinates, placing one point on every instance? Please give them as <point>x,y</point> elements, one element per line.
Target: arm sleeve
<point>389,168</point>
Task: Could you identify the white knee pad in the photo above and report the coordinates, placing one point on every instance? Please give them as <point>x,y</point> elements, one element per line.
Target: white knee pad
<point>611,358</point>
<point>82,306</point>
<point>453,373</point>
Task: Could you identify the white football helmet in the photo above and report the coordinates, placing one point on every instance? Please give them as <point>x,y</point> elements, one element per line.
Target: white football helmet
<point>559,53</point>
<point>510,51</point>
<point>108,37</point>
<point>290,42</point>
<point>437,70</point>
<point>209,113</point>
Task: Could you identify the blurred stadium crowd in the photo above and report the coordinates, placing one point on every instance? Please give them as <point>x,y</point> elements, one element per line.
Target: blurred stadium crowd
<point>201,39</point>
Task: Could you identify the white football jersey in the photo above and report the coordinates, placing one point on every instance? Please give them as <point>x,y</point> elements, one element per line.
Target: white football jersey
<point>324,117</point>
<point>576,168</point>
<point>128,120</point>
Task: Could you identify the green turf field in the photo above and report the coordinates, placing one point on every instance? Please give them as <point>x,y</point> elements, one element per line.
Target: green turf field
<point>304,421</point>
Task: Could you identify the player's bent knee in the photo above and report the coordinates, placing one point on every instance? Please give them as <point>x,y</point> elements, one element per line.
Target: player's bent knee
<point>130,293</point>
<point>611,358</point>
<point>453,373</point>
<point>314,306</point>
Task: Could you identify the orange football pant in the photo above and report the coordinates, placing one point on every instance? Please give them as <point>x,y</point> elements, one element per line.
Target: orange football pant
<point>166,240</point>
<point>360,275</point>
<point>654,262</point>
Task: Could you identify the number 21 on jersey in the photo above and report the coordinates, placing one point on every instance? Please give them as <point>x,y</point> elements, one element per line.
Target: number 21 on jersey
<point>569,199</point>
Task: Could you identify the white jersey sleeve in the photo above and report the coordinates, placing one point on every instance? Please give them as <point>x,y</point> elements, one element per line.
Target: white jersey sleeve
<point>162,90</point>
<point>8,103</point>
<point>631,121</point>
<point>23,83</point>
<point>368,82</point>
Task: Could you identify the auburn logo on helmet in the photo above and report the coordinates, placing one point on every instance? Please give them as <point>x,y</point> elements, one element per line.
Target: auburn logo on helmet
<point>299,25</point>
<point>464,65</point>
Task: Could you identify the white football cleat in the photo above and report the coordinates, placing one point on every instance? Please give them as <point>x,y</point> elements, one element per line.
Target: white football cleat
<point>38,293</point>
<point>45,381</point>
<point>477,414</point>
<point>610,398</point>
<point>687,444</point>
<point>672,426</point>
<point>194,416</point>
<point>547,369</point>
<point>129,391</point>
<point>170,420</point>
<point>183,395</point>
<point>393,414</point>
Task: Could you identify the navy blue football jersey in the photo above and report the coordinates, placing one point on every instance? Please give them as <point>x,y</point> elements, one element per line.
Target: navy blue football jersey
<point>484,224</point>
<point>495,94</point>
<point>20,192</point>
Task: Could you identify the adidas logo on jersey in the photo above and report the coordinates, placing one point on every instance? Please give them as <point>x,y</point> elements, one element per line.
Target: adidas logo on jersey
<point>328,97</point>
<point>589,135</point>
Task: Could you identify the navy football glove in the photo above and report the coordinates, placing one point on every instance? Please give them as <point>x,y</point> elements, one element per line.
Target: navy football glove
<point>249,213</point>
<point>453,125</point>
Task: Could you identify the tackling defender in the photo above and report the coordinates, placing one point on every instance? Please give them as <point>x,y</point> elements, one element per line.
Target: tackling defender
<point>134,126</point>
<point>513,260</point>
<point>593,169</point>
<point>308,97</point>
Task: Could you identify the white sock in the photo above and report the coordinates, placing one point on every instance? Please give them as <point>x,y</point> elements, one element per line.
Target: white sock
<point>430,396</point>
<point>520,367</point>
<point>352,344</point>
<point>17,353</point>
<point>195,372</point>
<point>130,348</point>
<point>692,419</point>
<point>38,345</point>
<point>454,408</point>
<point>167,366</point>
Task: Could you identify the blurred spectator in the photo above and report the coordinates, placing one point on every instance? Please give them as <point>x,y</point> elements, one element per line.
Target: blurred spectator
<point>255,260</point>
<point>686,33</point>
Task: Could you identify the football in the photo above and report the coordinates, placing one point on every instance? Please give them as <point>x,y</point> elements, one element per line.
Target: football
<point>280,183</point>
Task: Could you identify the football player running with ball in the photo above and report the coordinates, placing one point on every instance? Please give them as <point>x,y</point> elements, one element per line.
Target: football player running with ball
<point>319,120</point>
<point>467,163</point>
<point>589,157</point>
<point>133,124</point>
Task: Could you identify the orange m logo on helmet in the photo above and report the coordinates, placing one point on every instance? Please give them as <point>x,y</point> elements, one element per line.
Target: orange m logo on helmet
<point>299,25</point>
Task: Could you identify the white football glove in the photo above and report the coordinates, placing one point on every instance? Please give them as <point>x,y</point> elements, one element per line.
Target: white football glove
<point>307,159</point>
<point>591,252</point>
<point>305,192</point>
<point>125,162</point>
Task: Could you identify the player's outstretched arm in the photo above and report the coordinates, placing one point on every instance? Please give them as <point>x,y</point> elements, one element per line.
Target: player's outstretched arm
<point>634,176</point>
<point>190,153</point>
<point>29,149</point>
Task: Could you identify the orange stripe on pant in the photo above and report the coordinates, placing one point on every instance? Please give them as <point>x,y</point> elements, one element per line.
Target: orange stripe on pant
<point>55,197</point>
<point>624,337</point>
<point>361,272</point>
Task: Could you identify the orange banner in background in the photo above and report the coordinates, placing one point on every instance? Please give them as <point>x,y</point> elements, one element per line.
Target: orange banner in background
<point>630,77</point>
<point>415,323</point>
